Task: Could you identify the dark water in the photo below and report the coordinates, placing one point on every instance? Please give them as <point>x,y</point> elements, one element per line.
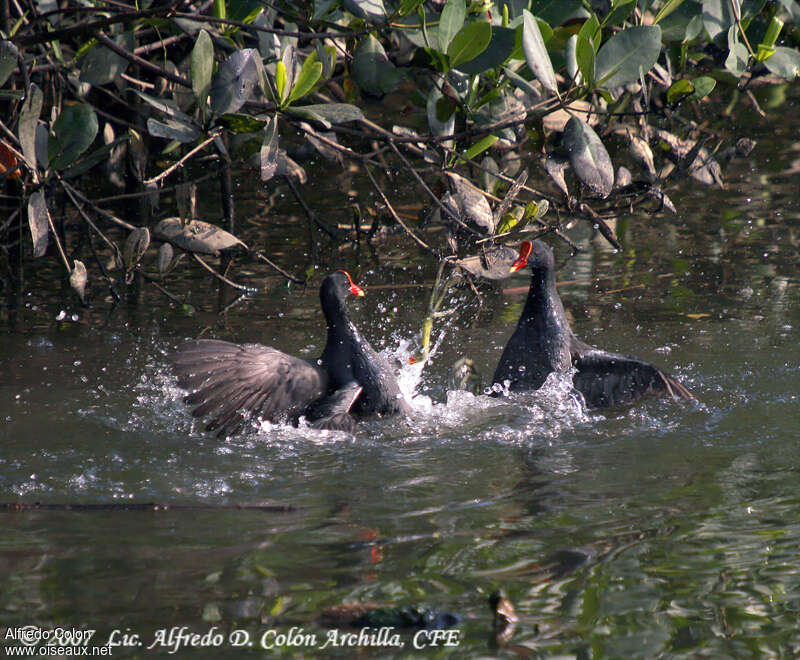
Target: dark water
<point>666,530</point>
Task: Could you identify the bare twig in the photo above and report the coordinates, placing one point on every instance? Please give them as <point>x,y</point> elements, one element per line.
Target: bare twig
<point>272,264</point>
<point>180,163</point>
<point>220,277</point>
<point>605,230</point>
<point>445,211</point>
<point>160,288</point>
<point>396,217</point>
<point>143,63</point>
<point>71,194</point>
<point>309,213</point>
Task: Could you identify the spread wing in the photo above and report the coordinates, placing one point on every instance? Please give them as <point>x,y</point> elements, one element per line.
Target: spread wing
<point>609,379</point>
<point>230,383</point>
<point>333,411</point>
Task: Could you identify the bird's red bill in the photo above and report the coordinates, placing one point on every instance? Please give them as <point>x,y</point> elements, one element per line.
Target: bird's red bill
<point>524,253</point>
<point>354,288</point>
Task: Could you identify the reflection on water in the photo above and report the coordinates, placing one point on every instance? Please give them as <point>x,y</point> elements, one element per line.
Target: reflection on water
<point>669,529</point>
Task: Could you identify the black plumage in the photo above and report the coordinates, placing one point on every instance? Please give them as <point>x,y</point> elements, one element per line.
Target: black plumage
<point>543,343</point>
<point>231,383</point>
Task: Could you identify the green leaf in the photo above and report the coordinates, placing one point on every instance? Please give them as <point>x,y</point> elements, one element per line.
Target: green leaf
<point>450,22</point>
<point>219,9</point>
<point>666,9</point>
<point>536,54</point>
<point>269,150</point>
<point>784,63</point>
<point>202,68</point>
<point>470,42</point>
<point>8,59</point>
<point>719,16</point>
<point>703,86</point>
<point>371,11</point>
<point>499,50</point>
<point>245,11</point>
<point>619,13</point>
<point>329,113</point>
<point>585,57</point>
<point>308,77</point>
<point>39,222</point>
<point>73,132</point>
<point>737,59</point>
<point>101,65</point>
<point>172,130</point>
<point>510,220</point>
<point>235,81</point>
<point>280,80</point>
<point>289,60</point>
<point>588,157</point>
<point>166,106</point>
<point>627,55</point>
<point>409,6</point>
<point>480,146</point>
<point>28,121</point>
<point>440,123</point>
<point>678,90</point>
<point>94,158</point>
<point>591,31</point>
<point>372,70</point>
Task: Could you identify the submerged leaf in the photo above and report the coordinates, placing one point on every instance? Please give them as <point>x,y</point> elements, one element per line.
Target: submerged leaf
<point>588,157</point>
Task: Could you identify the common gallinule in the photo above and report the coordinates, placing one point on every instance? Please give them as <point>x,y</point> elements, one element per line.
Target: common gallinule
<point>231,383</point>
<point>543,343</point>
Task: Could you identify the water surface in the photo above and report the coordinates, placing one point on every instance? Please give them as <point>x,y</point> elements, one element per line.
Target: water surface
<point>665,530</point>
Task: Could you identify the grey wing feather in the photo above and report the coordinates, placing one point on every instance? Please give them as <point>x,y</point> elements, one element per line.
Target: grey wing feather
<point>231,382</point>
<point>609,379</point>
<point>334,411</point>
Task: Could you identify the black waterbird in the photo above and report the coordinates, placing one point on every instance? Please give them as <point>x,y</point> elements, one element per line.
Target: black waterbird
<point>231,383</point>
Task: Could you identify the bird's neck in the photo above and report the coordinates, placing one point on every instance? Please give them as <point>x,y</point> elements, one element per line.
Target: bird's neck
<point>544,304</point>
<point>340,326</point>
